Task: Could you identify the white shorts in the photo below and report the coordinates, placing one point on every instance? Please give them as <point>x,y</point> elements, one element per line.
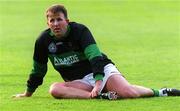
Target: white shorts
<point>109,70</point>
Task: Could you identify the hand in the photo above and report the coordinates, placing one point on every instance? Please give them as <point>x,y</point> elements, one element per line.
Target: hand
<point>25,94</point>
<point>96,89</point>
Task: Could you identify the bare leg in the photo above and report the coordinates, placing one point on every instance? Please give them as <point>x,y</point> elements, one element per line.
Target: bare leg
<point>143,91</point>
<point>124,89</point>
<point>74,89</point>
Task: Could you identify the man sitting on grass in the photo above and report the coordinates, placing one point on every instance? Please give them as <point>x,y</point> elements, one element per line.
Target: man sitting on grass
<point>87,72</point>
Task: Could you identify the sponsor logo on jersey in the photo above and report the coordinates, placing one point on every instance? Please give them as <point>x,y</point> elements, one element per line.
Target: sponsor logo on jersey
<point>52,47</point>
<point>69,60</point>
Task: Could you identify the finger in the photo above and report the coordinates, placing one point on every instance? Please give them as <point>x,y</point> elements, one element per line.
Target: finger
<point>94,93</point>
<point>13,96</point>
<point>91,95</point>
<point>16,96</point>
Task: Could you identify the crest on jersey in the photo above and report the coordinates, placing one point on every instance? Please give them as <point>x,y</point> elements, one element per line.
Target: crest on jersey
<point>52,47</point>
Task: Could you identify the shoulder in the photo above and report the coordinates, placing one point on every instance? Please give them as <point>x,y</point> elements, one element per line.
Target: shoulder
<point>78,30</point>
<point>43,35</point>
<point>77,26</point>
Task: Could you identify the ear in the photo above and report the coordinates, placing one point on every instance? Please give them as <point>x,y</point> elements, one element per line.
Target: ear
<point>47,23</point>
<point>67,20</point>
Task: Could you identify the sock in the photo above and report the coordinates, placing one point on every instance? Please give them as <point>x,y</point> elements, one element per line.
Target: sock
<point>159,93</point>
<point>156,92</point>
<point>163,92</point>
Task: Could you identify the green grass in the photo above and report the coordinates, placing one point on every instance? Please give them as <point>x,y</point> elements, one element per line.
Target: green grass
<point>141,37</point>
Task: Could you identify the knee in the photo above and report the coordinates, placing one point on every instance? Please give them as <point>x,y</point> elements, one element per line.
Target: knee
<point>54,89</point>
<point>130,92</point>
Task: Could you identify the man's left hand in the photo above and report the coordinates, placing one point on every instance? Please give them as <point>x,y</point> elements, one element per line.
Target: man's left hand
<point>96,89</point>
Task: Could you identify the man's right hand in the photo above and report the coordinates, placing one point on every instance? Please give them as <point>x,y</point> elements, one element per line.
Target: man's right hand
<point>25,94</point>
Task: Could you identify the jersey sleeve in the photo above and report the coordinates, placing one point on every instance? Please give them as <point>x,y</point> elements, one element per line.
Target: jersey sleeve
<point>39,69</point>
<point>93,53</point>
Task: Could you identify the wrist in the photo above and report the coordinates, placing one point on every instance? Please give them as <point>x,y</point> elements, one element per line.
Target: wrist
<point>28,94</point>
<point>98,82</point>
<point>30,89</point>
<point>98,77</point>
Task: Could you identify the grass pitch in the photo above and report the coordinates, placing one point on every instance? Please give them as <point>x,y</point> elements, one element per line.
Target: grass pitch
<point>141,37</point>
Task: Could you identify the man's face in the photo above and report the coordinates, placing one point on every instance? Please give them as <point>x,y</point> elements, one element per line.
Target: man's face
<point>58,24</point>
